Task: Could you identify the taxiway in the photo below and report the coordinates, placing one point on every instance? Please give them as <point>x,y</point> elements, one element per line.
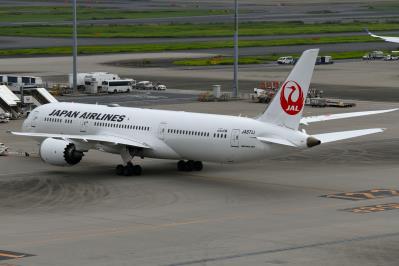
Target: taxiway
<point>269,212</point>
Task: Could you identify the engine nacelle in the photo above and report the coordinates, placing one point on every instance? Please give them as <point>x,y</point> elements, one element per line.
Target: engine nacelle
<point>59,152</point>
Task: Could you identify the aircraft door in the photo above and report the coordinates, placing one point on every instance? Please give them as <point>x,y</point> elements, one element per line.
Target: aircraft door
<point>162,130</point>
<point>35,117</point>
<point>84,126</point>
<point>235,138</point>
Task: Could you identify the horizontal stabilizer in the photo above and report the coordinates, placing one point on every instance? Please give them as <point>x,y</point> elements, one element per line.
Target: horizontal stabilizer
<point>335,136</point>
<point>320,118</point>
<point>86,138</point>
<point>276,141</point>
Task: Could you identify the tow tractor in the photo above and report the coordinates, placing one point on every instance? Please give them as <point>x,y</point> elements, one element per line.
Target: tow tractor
<point>3,149</point>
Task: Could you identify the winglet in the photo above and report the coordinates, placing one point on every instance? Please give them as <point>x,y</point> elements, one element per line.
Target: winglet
<point>371,34</point>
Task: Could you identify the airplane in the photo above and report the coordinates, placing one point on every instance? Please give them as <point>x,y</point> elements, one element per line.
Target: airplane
<point>67,130</point>
<point>385,38</point>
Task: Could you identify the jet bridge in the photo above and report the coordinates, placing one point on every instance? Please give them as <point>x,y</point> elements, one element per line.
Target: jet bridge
<point>9,102</point>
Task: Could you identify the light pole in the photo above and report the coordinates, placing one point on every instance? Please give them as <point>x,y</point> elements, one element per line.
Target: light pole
<point>235,85</point>
<point>75,49</point>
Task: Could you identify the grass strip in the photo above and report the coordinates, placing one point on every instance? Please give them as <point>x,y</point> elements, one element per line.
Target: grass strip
<point>193,30</point>
<point>159,47</point>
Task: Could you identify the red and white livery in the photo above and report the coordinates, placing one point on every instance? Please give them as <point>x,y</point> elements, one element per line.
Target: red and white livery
<point>67,130</point>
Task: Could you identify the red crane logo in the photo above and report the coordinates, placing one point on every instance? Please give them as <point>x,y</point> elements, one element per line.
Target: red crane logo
<point>292,104</point>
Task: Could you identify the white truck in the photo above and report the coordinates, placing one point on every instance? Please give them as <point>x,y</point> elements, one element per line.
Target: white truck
<point>374,55</point>
<point>390,57</point>
<point>324,60</point>
<point>84,79</point>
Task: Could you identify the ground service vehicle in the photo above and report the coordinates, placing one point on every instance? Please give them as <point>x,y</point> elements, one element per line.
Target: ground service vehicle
<point>374,55</point>
<point>324,60</point>
<point>3,149</point>
<point>286,60</point>
<point>144,85</point>
<point>115,86</point>
<point>160,87</point>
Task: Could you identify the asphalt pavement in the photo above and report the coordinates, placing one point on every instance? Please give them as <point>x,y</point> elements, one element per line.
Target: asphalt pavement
<point>331,205</point>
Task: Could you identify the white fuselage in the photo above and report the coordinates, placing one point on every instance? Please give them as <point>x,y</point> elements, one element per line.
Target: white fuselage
<point>170,134</point>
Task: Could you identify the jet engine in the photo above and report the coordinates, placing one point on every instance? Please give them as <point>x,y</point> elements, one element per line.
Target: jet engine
<point>59,152</point>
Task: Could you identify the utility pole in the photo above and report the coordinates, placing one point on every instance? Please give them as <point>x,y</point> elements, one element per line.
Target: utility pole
<point>235,85</point>
<point>75,49</point>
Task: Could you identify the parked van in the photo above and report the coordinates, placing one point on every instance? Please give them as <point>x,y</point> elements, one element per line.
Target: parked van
<point>286,60</point>
<point>145,85</point>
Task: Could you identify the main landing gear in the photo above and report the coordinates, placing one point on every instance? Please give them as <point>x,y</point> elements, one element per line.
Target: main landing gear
<point>128,170</point>
<point>188,166</point>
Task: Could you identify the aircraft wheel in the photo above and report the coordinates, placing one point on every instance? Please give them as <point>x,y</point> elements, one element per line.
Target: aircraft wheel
<point>198,166</point>
<point>190,165</point>
<point>181,165</point>
<point>119,169</point>
<point>137,170</point>
<point>128,170</point>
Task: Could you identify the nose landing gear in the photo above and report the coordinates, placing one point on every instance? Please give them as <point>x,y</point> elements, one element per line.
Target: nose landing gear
<point>188,166</point>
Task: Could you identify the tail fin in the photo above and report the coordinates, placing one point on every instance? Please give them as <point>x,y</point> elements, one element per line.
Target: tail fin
<point>287,105</point>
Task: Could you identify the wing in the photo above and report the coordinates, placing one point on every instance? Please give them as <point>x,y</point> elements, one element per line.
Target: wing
<point>320,118</point>
<point>115,140</point>
<point>335,136</point>
<point>385,38</point>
